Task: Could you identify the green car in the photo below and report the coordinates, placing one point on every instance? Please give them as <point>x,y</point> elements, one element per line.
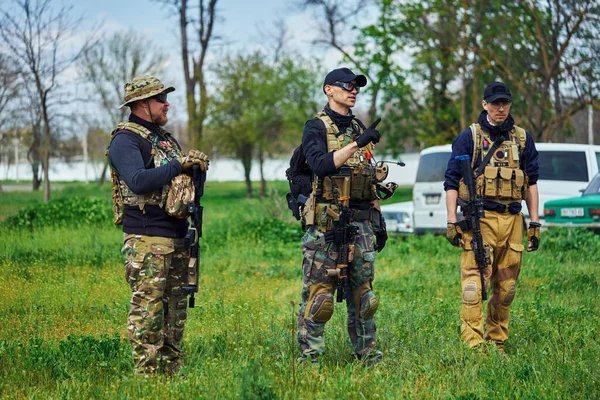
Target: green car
<point>583,211</point>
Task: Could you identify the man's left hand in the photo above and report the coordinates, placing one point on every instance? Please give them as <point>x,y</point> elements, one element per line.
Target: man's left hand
<point>533,236</point>
<point>199,158</point>
<point>381,237</point>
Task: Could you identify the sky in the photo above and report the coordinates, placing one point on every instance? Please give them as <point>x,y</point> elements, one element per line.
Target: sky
<point>242,26</point>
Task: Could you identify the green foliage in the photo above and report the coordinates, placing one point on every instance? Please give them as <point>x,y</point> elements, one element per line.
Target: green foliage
<point>259,107</point>
<point>273,229</point>
<point>256,383</point>
<point>65,303</point>
<point>60,212</point>
<point>563,241</point>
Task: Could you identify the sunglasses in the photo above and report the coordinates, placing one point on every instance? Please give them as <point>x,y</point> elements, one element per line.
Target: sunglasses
<point>347,86</point>
<point>161,97</point>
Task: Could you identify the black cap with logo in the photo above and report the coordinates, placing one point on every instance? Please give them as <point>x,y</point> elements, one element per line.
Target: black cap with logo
<point>495,91</point>
<point>344,75</point>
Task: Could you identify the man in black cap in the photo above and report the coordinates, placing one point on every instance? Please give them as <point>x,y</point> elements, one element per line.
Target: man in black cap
<point>504,164</point>
<point>338,149</point>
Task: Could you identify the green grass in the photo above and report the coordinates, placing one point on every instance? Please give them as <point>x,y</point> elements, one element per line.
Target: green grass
<point>64,304</point>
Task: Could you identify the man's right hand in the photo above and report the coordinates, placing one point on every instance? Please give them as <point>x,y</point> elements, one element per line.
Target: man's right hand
<point>371,135</point>
<point>454,234</point>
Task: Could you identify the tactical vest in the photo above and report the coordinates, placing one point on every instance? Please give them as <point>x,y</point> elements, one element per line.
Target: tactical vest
<point>357,172</point>
<point>502,180</point>
<point>163,151</point>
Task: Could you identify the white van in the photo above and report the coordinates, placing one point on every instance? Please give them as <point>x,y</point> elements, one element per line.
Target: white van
<point>565,169</point>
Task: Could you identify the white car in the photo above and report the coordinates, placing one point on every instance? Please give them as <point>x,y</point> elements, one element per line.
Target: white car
<point>399,217</point>
<point>565,170</point>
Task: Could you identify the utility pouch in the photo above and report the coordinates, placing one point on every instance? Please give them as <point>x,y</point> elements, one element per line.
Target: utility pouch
<point>490,184</point>
<point>118,205</point>
<point>308,211</point>
<point>323,220</point>
<point>519,183</point>
<point>181,193</point>
<point>463,190</point>
<point>361,183</point>
<point>327,189</point>
<point>377,220</point>
<point>505,184</point>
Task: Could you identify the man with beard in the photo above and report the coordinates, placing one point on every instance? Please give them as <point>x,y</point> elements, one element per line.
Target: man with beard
<point>147,169</point>
<point>504,164</point>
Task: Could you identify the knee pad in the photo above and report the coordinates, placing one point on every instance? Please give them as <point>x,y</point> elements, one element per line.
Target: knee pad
<point>509,295</point>
<point>368,306</point>
<point>470,293</point>
<point>365,301</point>
<point>320,309</point>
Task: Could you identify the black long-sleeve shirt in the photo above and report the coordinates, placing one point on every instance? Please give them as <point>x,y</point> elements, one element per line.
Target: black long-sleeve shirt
<point>130,155</point>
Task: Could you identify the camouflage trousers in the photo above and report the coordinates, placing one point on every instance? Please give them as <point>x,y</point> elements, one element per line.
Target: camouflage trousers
<point>503,236</point>
<point>155,268</point>
<point>317,303</point>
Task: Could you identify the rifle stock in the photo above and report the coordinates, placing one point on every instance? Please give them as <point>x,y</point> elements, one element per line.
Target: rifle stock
<point>474,211</point>
<point>191,239</point>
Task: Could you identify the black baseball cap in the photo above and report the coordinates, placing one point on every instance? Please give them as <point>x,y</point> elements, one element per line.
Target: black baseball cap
<point>495,91</point>
<point>344,75</point>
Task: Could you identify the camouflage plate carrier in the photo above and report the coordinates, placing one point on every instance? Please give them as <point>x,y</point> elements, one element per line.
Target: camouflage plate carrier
<point>174,196</point>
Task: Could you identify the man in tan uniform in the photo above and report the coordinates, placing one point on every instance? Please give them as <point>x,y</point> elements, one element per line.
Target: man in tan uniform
<point>505,168</point>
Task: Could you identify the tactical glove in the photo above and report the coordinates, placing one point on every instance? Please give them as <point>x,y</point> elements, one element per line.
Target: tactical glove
<point>381,237</point>
<point>199,158</point>
<point>454,234</point>
<point>185,162</point>
<point>533,236</point>
<point>371,135</point>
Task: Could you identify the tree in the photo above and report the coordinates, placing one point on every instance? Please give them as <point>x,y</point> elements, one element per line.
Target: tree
<point>106,66</point>
<point>553,63</point>
<point>258,107</point>
<point>194,63</point>
<point>10,88</point>
<point>36,35</point>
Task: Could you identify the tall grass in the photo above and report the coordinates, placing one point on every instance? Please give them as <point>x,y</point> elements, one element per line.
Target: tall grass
<point>64,305</point>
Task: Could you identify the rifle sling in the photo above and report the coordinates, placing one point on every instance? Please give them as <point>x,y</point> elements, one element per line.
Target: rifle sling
<point>489,155</point>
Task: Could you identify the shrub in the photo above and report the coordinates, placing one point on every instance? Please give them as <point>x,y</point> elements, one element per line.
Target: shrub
<point>62,212</point>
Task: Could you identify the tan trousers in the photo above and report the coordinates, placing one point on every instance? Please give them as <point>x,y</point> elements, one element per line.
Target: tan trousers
<point>503,238</point>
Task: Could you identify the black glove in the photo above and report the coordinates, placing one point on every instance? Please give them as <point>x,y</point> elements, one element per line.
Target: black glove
<point>370,135</point>
<point>533,236</point>
<point>381,237</point>
<point>454,234</point>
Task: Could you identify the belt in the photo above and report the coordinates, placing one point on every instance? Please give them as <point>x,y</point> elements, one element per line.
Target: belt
<point>513,208</point>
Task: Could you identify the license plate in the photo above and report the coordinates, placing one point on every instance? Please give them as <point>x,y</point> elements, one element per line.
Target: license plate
<point>432,198</point>
<point>571,212</point>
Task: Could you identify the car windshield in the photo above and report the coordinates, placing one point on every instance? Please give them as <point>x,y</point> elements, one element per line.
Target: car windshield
<point>432,167</point>
<point>563,166</point>
<point>593,187</point>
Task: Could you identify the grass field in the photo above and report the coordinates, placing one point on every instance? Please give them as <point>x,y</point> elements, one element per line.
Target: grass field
<point>64,304</point>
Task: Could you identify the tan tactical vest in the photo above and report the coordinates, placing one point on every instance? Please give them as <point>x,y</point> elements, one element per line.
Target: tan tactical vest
<point>162,151</point>
<point>331,191</point>
<point>502,180</point>
<point>362,173</point>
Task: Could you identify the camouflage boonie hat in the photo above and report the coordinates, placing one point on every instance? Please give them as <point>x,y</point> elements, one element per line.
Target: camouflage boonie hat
<point>143,87</point>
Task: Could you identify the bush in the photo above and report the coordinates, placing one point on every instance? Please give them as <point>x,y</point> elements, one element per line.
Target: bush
<point>62,212</point>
